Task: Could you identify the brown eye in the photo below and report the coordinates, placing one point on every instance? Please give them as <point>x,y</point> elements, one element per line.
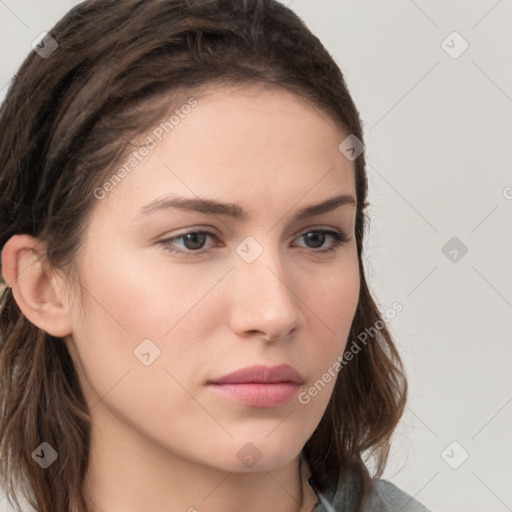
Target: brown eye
<point>193,242</point>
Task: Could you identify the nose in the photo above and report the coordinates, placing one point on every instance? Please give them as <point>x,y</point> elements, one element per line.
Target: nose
<point>264,303</point>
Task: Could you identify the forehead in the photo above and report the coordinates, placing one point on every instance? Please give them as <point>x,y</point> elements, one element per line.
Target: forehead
<point>241,144</point>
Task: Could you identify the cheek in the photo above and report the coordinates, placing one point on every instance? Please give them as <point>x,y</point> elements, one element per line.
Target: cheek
<point>334,301</point>
<point>333,307</point>
<point>130,319</point>
<point>148,296</point>
<point>159,315</point>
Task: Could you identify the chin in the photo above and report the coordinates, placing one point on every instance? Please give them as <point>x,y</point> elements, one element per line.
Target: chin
<point>258,454</point>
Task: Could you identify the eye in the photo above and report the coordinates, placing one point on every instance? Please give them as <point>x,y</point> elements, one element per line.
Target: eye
<point>318,237</point>
<point>194,241</point>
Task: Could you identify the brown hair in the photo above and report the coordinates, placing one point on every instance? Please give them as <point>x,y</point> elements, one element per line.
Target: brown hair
<point>65,123</point>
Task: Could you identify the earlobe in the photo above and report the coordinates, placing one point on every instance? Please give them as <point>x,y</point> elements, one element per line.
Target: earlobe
<point>33,285</point>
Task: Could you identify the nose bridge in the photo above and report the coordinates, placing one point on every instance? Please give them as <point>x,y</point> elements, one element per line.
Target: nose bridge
<point>265,299</point>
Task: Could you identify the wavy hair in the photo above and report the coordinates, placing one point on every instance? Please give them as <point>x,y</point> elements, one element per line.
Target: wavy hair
<point>66,121</point>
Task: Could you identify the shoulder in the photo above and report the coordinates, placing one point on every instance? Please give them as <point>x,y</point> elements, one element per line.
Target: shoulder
<point>343,494</point>
<point>386,496</point>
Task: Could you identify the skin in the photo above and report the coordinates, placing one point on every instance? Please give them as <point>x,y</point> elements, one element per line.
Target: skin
<point>161,439</point>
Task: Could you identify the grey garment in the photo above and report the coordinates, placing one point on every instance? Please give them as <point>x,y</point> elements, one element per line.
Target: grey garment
<point>384,497</point>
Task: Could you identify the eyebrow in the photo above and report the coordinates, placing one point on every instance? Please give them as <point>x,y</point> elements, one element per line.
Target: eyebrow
<point>212,207</point>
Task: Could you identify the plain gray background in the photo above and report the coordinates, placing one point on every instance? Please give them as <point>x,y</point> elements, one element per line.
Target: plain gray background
<point>438,136</point>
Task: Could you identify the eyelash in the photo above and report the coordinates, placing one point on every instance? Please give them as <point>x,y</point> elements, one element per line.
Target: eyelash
<point>339,239</point>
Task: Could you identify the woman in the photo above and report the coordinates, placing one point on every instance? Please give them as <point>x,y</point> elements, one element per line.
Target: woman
<point>186,323</point>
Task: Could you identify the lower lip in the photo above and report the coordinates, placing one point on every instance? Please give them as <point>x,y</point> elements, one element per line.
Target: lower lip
<point>258,394</point>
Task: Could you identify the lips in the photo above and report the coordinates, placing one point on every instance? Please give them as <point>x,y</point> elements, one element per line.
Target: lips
<point>262,375</point>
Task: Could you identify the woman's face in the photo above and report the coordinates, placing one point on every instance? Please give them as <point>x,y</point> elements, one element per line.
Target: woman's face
<point>157,326</point>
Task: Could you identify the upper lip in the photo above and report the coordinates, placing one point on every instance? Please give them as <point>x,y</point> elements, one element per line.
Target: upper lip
<point>262,374</point>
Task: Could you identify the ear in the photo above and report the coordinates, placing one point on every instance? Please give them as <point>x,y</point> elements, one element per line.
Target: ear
<point>36,289</point>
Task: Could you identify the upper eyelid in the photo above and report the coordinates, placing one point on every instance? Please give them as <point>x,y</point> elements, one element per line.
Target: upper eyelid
<point>209,231</point>
<point>216,237</point>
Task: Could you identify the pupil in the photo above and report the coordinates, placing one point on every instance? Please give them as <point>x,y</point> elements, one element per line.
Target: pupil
<point>318,236</point>
<point>192,237</point>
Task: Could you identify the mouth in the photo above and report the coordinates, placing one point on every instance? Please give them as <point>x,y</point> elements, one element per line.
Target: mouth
<point>256,394</point>
<point>260,386</point>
